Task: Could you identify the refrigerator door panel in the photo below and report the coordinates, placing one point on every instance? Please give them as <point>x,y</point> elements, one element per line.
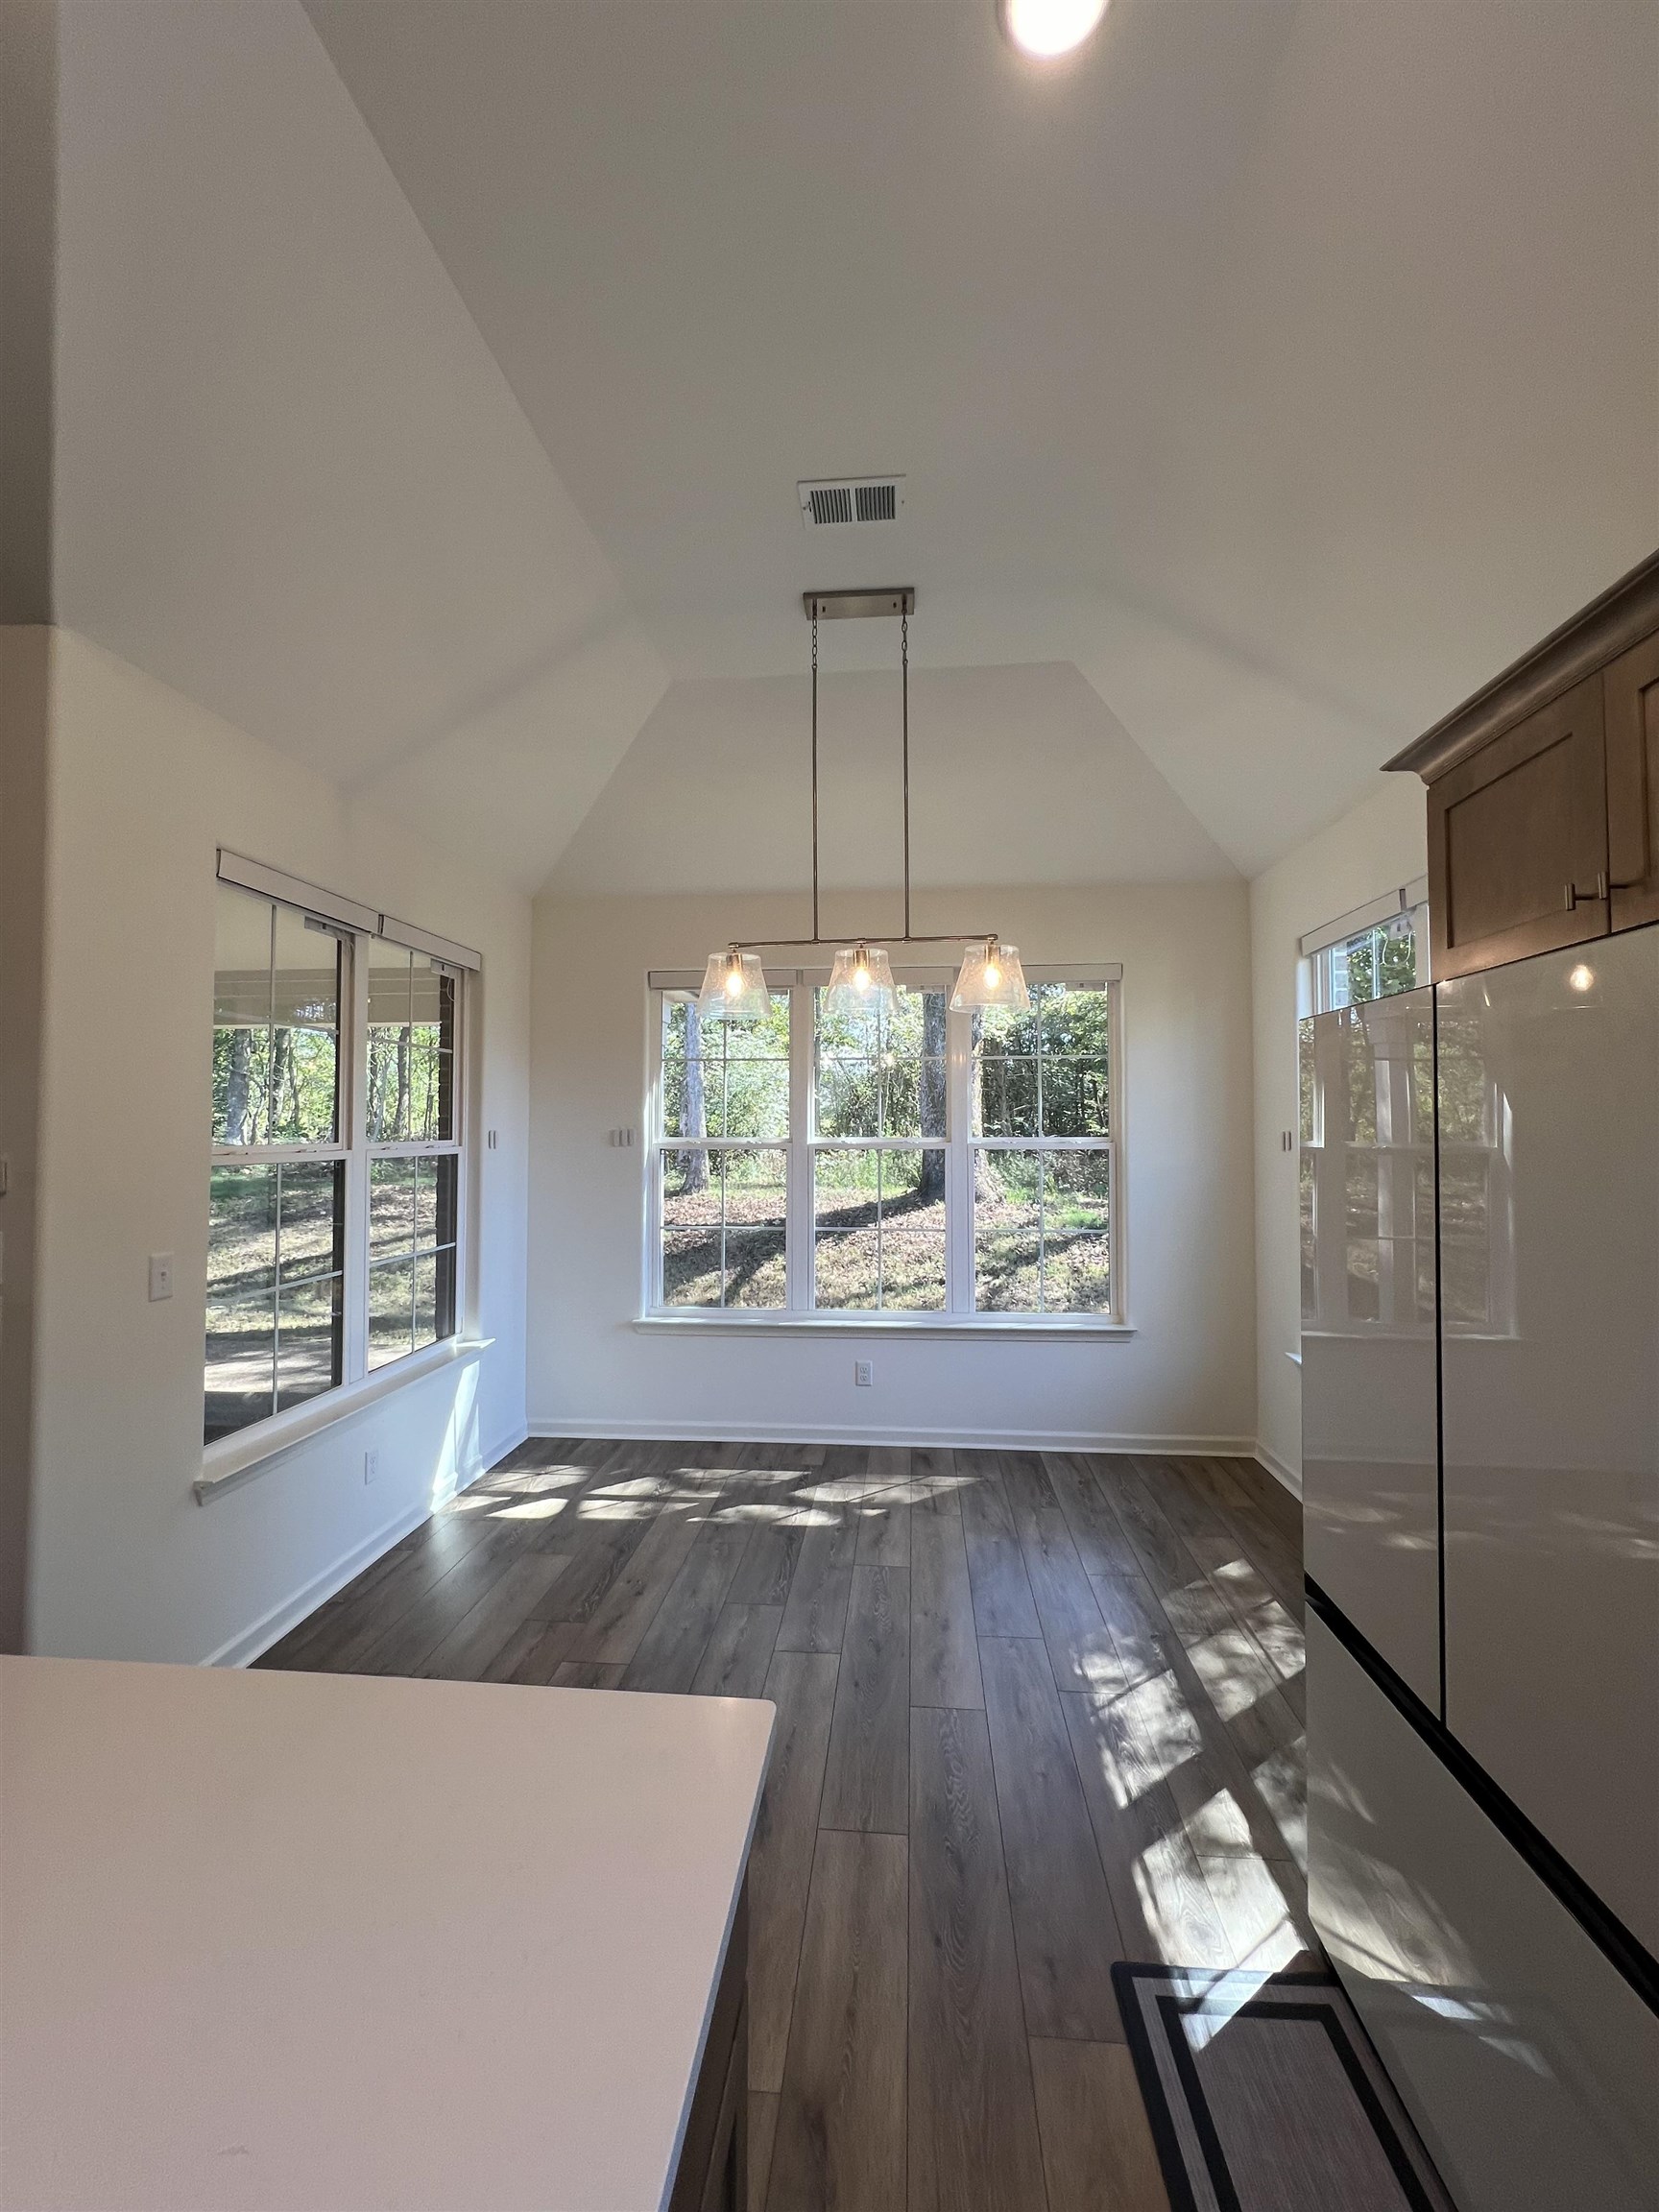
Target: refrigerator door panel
<point>1369,1465</point>
<point>1548,1110</point>
<point>1526,2059</point>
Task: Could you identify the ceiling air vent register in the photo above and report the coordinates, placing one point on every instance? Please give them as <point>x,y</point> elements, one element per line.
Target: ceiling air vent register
<point>851,503</point>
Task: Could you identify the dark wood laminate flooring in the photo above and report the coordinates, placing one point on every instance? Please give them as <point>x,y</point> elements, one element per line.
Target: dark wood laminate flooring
<point>1036,1712</point>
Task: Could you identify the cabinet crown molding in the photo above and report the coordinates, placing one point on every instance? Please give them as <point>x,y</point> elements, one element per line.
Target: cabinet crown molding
<point>1620,617</point>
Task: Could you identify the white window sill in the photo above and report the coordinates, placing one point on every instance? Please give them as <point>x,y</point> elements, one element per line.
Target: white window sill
<point>232,1459</point>
<point>926,1325</point>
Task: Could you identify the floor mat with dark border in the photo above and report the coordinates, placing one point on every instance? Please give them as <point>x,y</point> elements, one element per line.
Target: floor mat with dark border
<point>1265,2095</point>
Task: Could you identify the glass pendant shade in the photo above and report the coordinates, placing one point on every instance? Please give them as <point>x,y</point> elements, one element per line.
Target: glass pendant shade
<point>734,988</point>
<point>861,983</point>
<point>991,975</point>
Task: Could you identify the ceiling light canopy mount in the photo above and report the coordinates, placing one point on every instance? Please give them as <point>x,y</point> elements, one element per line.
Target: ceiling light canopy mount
<point>861,976</point>
<point>855,606</point>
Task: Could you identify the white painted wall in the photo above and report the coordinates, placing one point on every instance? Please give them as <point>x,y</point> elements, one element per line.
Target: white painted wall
<point>1375,848</point>
<point>23,692</point>
<point>143,784</point>
<point>1185,1377</point>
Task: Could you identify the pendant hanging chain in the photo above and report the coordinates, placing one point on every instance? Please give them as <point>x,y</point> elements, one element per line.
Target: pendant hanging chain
<point>905,714</point>
<point>815,775</point>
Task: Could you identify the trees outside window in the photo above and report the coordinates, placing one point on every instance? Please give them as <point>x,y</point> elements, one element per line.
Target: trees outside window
<point>335,1181</point>
<point>912,1161</point>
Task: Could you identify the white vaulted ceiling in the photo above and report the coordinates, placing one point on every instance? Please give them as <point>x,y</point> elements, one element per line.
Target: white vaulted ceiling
<point>434,381</point>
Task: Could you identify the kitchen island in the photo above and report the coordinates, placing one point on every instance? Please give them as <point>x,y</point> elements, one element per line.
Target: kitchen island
<point>296,1941</point>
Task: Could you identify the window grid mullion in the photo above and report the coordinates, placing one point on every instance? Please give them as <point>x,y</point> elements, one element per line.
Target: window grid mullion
<point>802,1228</point>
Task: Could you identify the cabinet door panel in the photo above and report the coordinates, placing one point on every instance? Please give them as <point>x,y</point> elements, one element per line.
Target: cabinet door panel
<point>1370,1464</point>
<point>1632,714</point>
<point>1525,2057</point>
<point>1518,840</point>
<point>1549,1383</point>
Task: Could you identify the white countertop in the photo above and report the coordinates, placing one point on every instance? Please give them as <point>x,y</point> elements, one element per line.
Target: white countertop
<point>317,1943</point>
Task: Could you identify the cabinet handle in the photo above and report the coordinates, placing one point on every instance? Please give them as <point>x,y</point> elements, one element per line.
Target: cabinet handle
<point>1574,896</point>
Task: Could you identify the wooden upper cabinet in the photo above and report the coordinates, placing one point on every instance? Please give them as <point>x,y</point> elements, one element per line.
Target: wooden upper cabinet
<point>1630,707</point>
<point>1544,791</point>
<point>1518,840</point>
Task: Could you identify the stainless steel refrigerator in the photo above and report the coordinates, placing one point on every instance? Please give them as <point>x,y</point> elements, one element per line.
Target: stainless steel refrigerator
<point>1481,1467</point>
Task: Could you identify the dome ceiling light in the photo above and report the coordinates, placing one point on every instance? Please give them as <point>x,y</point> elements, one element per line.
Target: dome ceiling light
<point>861,977</point>
<point>1043,30</point>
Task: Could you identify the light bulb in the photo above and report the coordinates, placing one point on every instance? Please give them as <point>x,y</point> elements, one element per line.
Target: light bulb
<point>1580,978</point>
<point>733,982</point>
<point>992,974</point>
<point>1044,29</point>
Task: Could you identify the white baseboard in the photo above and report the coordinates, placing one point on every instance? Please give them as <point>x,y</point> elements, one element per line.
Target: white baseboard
<point>886,1432</point>
<point>1276,1467</point>
<point>244,1648</point>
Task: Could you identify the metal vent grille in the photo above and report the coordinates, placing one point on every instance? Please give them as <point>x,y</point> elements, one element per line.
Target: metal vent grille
<point>851,503</point>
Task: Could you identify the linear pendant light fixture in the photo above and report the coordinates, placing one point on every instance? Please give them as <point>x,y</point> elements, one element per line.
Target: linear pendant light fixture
<point>861,976</point>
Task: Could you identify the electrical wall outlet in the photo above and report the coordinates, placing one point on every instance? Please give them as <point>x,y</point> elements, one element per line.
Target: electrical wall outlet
<point>863,1373</point>
<point>371,1466</point>
<point>160,1275</point>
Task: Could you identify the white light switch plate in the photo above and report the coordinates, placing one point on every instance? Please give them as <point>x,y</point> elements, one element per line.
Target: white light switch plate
<point>160,1275</point>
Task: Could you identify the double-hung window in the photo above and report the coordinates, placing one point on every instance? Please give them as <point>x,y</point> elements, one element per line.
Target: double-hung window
<point>277,1206</point>
<point>334,1184</point>
<point>919,1161</point>
<point>414,1151</point>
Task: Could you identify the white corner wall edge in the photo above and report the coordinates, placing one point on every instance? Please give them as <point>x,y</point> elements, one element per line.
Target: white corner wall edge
<point>889,1432</point>
<point>247,1644</point>
<point>1277,1468</point>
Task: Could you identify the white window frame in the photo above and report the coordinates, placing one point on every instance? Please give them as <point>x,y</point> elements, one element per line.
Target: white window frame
<point>415,1149</point>
<point>233,1453</point>
<point>803,1145</point>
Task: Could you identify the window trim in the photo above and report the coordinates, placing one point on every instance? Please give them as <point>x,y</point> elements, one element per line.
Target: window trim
<point>957,1316</point>
<point>272,1435</point>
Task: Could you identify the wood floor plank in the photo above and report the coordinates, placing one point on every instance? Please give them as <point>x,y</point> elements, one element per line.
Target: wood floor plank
<point>1164,1908</point>
<point>815,1612</point>
<point>1095,1529</point>
<point>801,1685</point>
<point>519,1593</point>
<point>768,1565</point>
<point>337,1637</point>
<point>601,1550</point>
<point>935,1484</point>
<point>588,1674</point>
<point>973,2121</point>
<point>614,1630</point>
<point>867,1780</point>
<point>543,1658</point>
<point>1002,1601</point>
<point>739,1652</point>
<point>763,2131</point>
<point>944,1648</point>
<point>417,1630</point>
<point>1164,1559</point>
<point>1080,1646</point>
<point>1196,1779</point>
<point>1260,1909</point>
<point>883,1531</point>
<point>1135,1620</point>
<point>1064,1924</point>
<point>841,2119</point>
<point>672,1648</point>
<point>1097,2149</point>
